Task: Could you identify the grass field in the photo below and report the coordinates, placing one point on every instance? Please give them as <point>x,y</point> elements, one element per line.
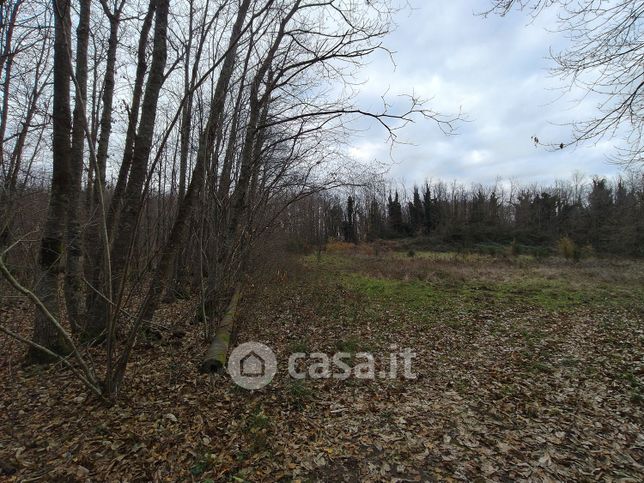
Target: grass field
<point>525,368</point>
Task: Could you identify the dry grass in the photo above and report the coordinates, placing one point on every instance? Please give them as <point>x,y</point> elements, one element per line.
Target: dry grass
<point>434,266</point>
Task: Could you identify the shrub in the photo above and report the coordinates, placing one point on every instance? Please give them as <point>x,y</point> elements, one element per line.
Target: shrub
<point>339,246</point>
<point>569,249</point>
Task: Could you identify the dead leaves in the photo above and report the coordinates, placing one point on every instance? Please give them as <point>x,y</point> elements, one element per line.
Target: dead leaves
<point>502,394</point>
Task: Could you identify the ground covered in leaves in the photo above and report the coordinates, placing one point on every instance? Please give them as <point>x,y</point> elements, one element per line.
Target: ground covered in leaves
<point>526,369</point>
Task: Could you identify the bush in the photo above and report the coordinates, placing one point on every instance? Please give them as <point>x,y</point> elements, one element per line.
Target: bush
<point>569,249</point>
<point>339,246</point>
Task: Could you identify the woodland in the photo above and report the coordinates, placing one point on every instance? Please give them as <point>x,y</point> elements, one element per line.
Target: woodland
<point>175,181</point>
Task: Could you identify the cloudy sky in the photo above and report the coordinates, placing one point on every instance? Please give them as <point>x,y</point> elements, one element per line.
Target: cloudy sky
<point>497,71</point>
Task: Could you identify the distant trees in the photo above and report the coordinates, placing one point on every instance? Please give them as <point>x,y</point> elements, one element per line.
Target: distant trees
<point>416,212</point>
<point>394,214</point>
<point>609,215</point>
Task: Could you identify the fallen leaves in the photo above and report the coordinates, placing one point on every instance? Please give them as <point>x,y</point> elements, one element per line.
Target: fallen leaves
<point>504,393</point>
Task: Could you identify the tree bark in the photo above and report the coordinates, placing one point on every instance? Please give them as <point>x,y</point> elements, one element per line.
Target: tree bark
<point>6,65</point>
<point>73,270</point>
<point>132,201</point>
<point>238,202</point>
<point>206,142</point>
<point>53,237</point>
<point>97,309</point>
<point>215,359</point>
<point>178,279</point>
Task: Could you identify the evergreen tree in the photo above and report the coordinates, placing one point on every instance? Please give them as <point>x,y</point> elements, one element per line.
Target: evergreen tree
<point>427,210</point>
<point>395,215</point>
<point>374,227</point>
<point>600,211</point>
<point>416,212</point>
<point>348,224</point>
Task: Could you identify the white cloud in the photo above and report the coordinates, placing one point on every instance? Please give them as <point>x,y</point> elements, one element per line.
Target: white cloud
<point>496,70</point>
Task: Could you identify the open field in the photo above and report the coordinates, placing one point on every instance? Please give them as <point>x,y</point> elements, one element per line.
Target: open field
<point>525,369</point>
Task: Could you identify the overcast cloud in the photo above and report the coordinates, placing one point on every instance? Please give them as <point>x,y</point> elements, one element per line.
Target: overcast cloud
<point>496,70</point>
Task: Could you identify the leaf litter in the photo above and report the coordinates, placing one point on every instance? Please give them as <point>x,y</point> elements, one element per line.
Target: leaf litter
<point>503,392</point>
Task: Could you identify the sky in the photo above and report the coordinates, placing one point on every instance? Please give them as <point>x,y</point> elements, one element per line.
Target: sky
<point>497,71</point>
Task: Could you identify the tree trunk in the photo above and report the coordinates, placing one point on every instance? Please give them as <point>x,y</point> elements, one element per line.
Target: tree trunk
<point>177,234</point>
<point>73,271</point>
<point>215,359</point>
<point>97,309</point>
<point>51,248</point>
<point>6,65</point>
<point>206,142</point>
<point>178,278</point>
<point>132,200</point>
<point>238,202</point>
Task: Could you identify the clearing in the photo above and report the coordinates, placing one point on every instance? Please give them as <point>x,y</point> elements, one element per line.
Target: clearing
<point>526,369</point>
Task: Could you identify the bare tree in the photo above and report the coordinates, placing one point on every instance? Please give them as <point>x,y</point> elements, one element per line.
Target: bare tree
<point>249,102</point>
<point>73,267</point>
<point>53,237</point>
<point>25,73</point>
<point>605,57</point>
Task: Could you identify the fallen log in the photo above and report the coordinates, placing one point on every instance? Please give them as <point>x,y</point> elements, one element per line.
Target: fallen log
<point>216,355</point>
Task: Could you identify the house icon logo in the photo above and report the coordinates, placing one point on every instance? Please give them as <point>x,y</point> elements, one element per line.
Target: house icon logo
<point>252,365</point>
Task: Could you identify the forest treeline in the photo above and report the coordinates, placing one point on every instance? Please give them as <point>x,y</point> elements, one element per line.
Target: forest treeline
<point>605,215</point>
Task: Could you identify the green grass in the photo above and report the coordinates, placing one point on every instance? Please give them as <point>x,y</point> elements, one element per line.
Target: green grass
<point>446,280</point>
<point>393,292</point>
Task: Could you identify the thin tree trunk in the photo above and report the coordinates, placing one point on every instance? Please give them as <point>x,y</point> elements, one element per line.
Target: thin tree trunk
<point>133,121</point>
<point>239,198</point>
<point>6,65</point>
<point>124,235</point>
<point>186,125</point>
<point>73,271</point>
<point>210,133</point>
<point>177,234</point>
<point>98,308</point>
<point>10,189</point>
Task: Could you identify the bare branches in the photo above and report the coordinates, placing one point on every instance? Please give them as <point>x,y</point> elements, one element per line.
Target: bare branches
<point>232,111</point>
<point>87,374</point>
<point>605,58</point>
